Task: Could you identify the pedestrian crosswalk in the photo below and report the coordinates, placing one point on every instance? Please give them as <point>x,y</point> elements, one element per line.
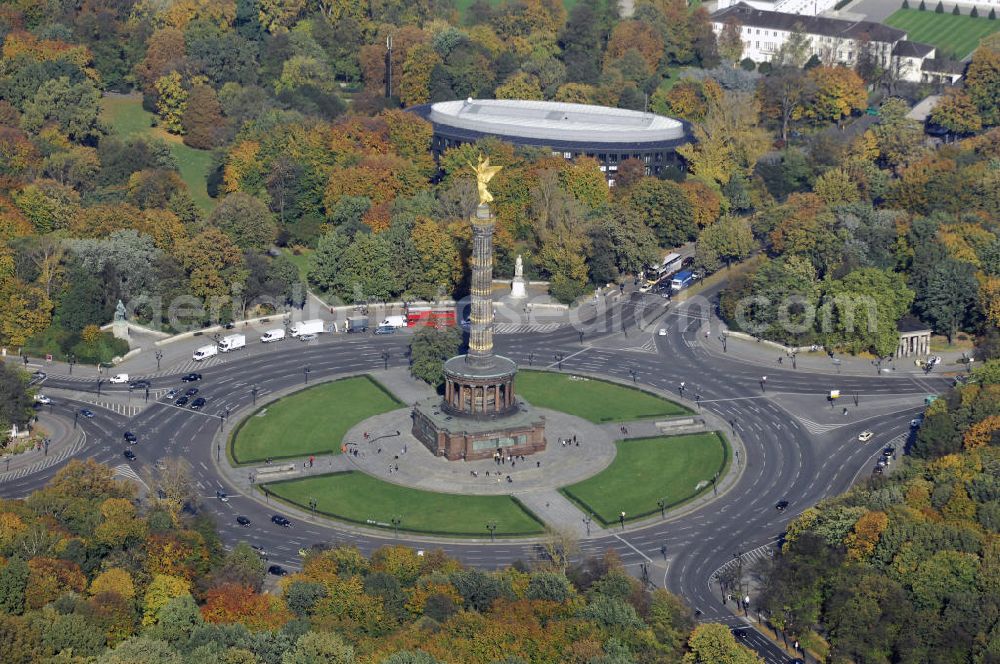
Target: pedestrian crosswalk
<point>746,559</point>
<point>125,471</point>
<point>816,428</point>
<point>46,461</point>
<point>520,328</point>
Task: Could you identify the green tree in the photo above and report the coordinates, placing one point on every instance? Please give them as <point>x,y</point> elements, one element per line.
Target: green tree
<point>72,107</point>
<point>982,80</point>
<point>246,220</point>
<point>319,648</point>
<point>242,566</point>
<point>711,643</point>
<point>430,347</point>
<point>950,300</point>
<point>410,657</point>
<point>862,310</point>
<point>663,206</point>
<point>622,244</point>
<point>13,582</point>
<point>727,240</point>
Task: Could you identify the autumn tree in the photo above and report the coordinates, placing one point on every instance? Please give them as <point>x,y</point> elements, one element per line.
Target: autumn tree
<point>730,42</point>
<point>711,642</point>
<point>729,141</point>
<point>201,120</point>
<point>837,92</point>
<point>784,94</point>
<point>957,113</point>
<point>171,101</point>
<point>982,81</point>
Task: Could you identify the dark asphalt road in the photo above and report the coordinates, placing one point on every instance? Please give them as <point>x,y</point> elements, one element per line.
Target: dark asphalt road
<point>785,461</point>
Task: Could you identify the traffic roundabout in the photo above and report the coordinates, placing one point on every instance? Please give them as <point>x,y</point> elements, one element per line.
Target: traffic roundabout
<point>780,456</point>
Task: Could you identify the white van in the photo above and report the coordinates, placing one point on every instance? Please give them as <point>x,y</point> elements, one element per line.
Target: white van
<point>119,378</point>
<point>277,334</point>
<point>205,352</point>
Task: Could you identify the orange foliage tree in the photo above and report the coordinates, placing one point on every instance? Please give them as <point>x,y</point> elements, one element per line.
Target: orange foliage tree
<point>234,603</point>
<point>49,578</point>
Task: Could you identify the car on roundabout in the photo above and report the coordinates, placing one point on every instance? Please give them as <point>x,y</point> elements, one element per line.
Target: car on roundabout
<point>781,505</point>
<point>140,384</point>
<point>279,520</point>
<point>86,412</point>
<point>118,379</point>
<point>191,377</point>
<point>42,400</point>
<point>129,454</point>
<point>277,570</point>
<point>865,436</point>
<point>308,337</point>
<point>244,521</point>
<point>191,392</point>
<point>198,403</point>
<point>662,332</point>
<point>182,401</point>
<point>130,438</point>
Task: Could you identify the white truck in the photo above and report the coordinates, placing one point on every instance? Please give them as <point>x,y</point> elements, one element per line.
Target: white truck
<point>314,326</point>
<point>394,321</point>
<point>277,334</point>
<point>232,342</point>
<point>205,352</point>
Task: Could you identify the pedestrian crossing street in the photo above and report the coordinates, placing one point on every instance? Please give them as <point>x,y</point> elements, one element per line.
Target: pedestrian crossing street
<point>520,328</point>
<point>46,461</point>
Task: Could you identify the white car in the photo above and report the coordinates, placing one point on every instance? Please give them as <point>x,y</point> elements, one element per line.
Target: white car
<point>865,436</point>
<point>934,360</point>
<point>119,378</point>
<point>916,422</point>
<point>42,399</point>
<point>662,332</point>
<point>306,337</point>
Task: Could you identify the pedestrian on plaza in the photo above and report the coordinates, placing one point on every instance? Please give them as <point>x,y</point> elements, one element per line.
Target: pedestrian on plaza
<point>574,437</point>
<point>538,464</point>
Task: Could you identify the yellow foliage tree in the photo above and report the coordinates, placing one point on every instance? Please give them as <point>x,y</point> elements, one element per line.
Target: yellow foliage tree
<point>582,178</point>
<point>867,530</point>
<point>113,580</point>
<point>119,524</point>
<point>960,507</point>
<point>981,433</point>
<point>836,187</point>
<point>171,101</point>
<point>414,84</point>
<point>161,590</point>
<point>520,86</point>
<point>417,596</point>
<point>989,297</point>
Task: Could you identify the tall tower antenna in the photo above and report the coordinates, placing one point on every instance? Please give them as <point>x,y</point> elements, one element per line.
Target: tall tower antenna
<point>388,66</point>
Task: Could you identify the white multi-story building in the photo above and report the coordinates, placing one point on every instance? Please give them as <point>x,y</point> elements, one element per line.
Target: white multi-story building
<point>802,7</point>
<point>836,41</point>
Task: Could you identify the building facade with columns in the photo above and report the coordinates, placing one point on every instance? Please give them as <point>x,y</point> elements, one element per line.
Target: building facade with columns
<point>914,338</point>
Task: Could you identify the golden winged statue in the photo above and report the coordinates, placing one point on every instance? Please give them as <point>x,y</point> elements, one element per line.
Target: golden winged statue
<point>484,173</point>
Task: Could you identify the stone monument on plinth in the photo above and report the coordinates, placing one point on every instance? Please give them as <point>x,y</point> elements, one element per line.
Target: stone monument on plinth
<point>480,414</point>
<point>119,328</point>
<point>517,287</point>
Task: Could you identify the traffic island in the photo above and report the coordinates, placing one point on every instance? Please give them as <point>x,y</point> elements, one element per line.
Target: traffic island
<point>359,498</point>
<point>652,475</point>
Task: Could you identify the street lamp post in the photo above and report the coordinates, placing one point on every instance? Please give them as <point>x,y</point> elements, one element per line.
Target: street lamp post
<point>662,504</point>
<point>586,521</point>
<point>395,524</point>
<point>99,381</point>
<point>492,527</point>
<point>385,359</point>
<point>715,478</point>
<point>531,359</point>
<point>621,519</point>
<point>72,361</point>
<point>306,373</point>
<point>313,504</point>
<point>253,393</point>
<point>559,359</point>
<point>218,452</point>
<point>763,383</point>
<point>222,421</point>
<point>147,394</point>
<point>856,398</point>
<point>581,337</point>
<point>680,389</point>
<point>632,373</point>
<point>159,356</point>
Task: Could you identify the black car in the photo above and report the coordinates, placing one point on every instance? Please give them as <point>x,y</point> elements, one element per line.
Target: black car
<point>129,454</point>
<point>277,570</point>
<point>191,377</point>
<point>86,412</point>
<point>687,261</point>
<point>230,325</point>
<point>243,521</point>
<point>131,438</point>
<point>782,504</point>
<point>889,451</point>
<point>182,401</point>
<point>38,375</point>
<point>139,384</point>
<point>279,520</point>
<point>191,392</point>
<point>198,403</point>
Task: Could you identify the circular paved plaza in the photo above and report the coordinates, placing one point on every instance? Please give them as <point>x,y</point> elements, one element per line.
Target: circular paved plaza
<point>576,450</point>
